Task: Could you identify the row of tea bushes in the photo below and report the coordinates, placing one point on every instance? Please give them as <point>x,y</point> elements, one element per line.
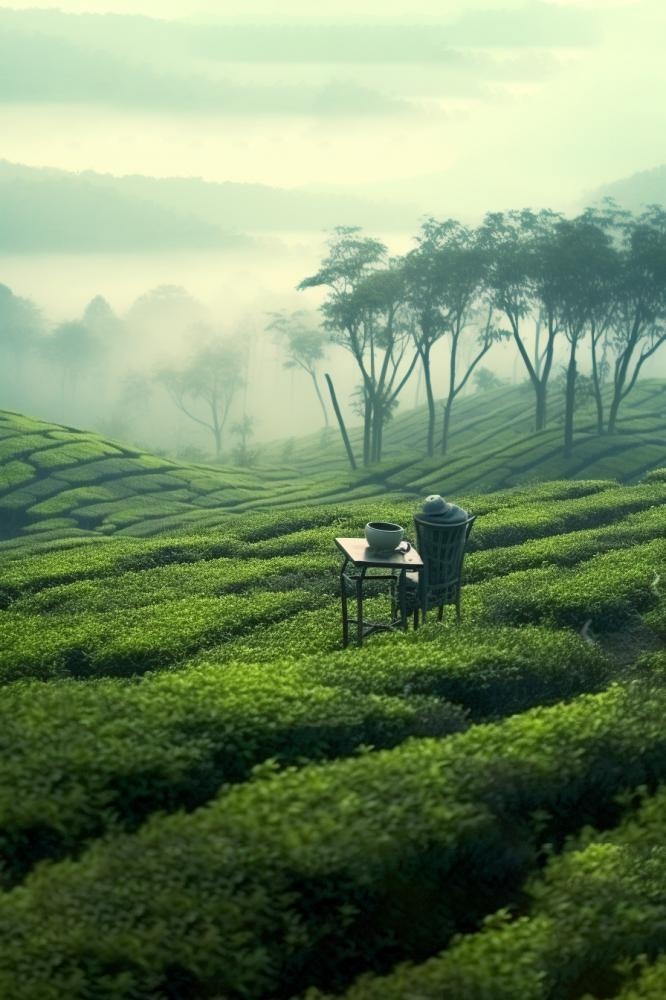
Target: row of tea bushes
<point>134,640</point>
<point>594,912</point>
<point>604,591</point>
<point>206,578</point>
<point>541,519</point>
<point>79,759</point>
<point>490,671</point>
<point>313,875</point>
<point>264,535</point>
<point>567,549</point>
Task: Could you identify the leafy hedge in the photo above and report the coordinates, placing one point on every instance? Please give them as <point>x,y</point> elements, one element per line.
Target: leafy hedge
<point>606,590</point>
<point>77,759</point>
<point>133,641</point>
<point>568,549</point>
<point>596,910</point>
<point>490,671</point>
<point>316,874</point>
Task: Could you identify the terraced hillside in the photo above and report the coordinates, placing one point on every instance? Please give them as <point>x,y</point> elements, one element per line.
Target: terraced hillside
<point>203,796</point>
<point>57,481</point>
<point>493,445</point>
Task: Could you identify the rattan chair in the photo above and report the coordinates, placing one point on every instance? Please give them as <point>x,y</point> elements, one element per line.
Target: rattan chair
<point>442,549</point>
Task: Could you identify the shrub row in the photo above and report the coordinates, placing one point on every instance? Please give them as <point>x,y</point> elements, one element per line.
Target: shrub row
<point>172,739</point>
<point>315,874</point>
<point>206,578</point>
<point>594,911</point>
<point>133,641</point>
<point>261,535</point>
<point>78,759</point>
<point>490,671</point>
<point>605,590</point>
<point>568,549</point>
<point>540,519</point>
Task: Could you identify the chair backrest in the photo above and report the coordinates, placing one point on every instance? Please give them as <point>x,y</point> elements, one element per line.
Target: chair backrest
<point>442,549</point>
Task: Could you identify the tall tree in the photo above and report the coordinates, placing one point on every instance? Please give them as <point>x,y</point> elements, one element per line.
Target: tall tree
<point>304,344</point>
<point>424,279</point>
<point>582,261</point>
<point>74,350</point>
<point>519,248</point>
<point>447,283</point>
<point>205,388</point>
<point>21,327</point>
<point>640,324</point>
<point>362,313</point>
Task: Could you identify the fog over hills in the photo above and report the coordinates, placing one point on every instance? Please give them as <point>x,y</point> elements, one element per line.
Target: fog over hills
<point>56,210</point>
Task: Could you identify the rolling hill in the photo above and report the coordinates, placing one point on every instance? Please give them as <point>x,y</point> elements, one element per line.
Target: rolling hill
<point>57,481</point>
<point>203,795</point>
<point>191,762</point>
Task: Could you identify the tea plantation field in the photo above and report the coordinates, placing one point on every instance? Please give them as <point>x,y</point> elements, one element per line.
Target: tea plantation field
<point>203,796</point>
<point>60,482</point>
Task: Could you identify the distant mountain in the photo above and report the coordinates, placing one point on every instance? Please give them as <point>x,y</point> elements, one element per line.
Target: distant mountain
<point>648,187</point>
<point>53,210</point>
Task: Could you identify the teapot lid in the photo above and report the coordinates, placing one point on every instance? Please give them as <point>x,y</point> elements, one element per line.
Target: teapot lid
<point>435,504</point>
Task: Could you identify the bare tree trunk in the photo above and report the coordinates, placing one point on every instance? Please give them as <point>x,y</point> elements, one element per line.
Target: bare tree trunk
<point>447,424</point>
<point>541,394</point>
<point>570,401</point>
<point>320,398</point>
<point>596,383</point>
<point>341,423</point>
<point>432,415</point>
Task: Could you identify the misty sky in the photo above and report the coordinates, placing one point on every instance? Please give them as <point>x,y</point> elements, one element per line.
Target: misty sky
<point>461,107</point>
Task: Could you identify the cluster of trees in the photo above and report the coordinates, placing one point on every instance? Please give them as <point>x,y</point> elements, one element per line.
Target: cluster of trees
<point>98,353</point>
<point>587,293</point>
<point>551,285</point>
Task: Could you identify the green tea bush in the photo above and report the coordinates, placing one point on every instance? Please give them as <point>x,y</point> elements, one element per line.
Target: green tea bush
<point>132,641</point>
<point>206,578</point>
<point>605,590</point>
<point>567,549</point>
<point>655,476</point>
<point>77,759</point>
<point>594,912</point>
<point>14,474</point>
<point>71,454</point>
<point>537,520</point>
<point>318,873</point>
<point>490,671</point>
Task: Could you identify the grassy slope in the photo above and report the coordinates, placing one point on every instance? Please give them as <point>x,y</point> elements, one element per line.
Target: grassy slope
<point>57,482</point>
<point>143,681</point>
<point>149,676</point>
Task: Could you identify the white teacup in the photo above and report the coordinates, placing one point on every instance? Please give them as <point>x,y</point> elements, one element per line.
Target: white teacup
<point>383,537</point>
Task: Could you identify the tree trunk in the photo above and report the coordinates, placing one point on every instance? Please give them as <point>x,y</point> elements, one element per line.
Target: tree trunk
<point>447,423</point>
<point>596,382</point>
<point>541,393</point>
<point>367,428</point>
<point>341,423</point>
<point>320,398</point>
<point>432,415</point>
<point>570,402</point>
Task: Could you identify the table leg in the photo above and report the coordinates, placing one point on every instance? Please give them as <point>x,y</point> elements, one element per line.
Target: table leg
<point>345,612</point>
<point>359,611</point>
<point>402,594</point>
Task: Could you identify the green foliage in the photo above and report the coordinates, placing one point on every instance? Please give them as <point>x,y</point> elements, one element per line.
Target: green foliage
<point>308,877</point>
<point>597,912</point>
<point>77,759</point>
<point>131,642</point>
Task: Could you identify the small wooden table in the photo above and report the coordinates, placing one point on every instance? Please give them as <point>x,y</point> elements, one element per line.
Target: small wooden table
<point>358,560</point>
